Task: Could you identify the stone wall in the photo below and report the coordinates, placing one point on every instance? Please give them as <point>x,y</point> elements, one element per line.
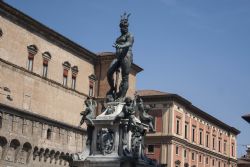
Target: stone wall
<point>29,89</point>
<point>31,140</point>
<point>39,95</point>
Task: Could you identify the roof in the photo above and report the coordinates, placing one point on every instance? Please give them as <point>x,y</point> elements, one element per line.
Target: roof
<point>243,161</point>
<point>246,117</point>
<point>150,92</point>
<point>34,26</point>
<point>155,95</point>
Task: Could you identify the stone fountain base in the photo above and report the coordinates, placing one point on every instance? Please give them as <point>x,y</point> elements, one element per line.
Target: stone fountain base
<point>115,142</point>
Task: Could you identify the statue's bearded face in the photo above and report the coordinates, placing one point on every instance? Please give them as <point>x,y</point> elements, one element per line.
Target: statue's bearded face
<point>124,29</point>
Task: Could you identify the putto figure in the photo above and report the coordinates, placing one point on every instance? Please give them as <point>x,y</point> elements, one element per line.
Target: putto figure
<point>88,115</point>
<point>124,59</point>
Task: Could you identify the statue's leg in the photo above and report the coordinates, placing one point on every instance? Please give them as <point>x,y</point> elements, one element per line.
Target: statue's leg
<point>151,127</point>
<point>89,134</point>
<point>89,119</point>
<point>112,68</point>
<point>125,66</point>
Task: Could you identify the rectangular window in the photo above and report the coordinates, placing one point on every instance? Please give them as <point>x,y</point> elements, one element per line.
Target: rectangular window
<point>177,150</point>
<point>201,134</point>
<point>185,154</point>
<point>193,158</point>
<point>219,147</point>
<point>30,64</point>
<point>150,149</point>
<point>178,126</point>
<point>232,150</point>
<point>73,84</point>
<point>200,158</point>
<point>207,139</point>
<point>213,143</point>
<point>186,131</point>
<point>213,162</point>
<point>193,134</point>
<point>207,160</point>
<point>225,147</point>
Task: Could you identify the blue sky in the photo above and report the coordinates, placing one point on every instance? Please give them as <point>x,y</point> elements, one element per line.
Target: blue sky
<point>199,49</point>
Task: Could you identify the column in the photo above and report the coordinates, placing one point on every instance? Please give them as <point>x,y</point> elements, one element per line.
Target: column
<point>164,154</point>
<point>170,155</point>
<point>171,119</point>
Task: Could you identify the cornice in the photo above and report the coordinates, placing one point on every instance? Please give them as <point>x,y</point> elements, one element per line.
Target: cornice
<point>192,108</point>
<point>170,139</point>
<point>34,26</point>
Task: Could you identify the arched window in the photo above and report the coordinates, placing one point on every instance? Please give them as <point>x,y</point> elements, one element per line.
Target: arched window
<point>3,145</point>
<point>61,158</point>
<point>52,155</point>
<point>41,153</point>
<point>46,155</point>
<point>24,154</point>
<point>46,59</point>
<point>49,134</point>
<point>66,67</point>
<point>12,152</point>
<point>57,156</point>
<point>35,153</point>
<point>74,74</point>
<point>32,51</point>
<point>92,79</point>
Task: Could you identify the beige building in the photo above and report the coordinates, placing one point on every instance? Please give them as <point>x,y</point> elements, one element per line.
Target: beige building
<point>44,81</point>
<point>187,136</point>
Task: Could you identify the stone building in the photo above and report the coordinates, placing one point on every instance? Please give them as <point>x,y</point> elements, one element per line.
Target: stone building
<point>44,80</point>
<point>187,136</point>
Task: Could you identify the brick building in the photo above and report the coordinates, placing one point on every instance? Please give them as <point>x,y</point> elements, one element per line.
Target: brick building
<point>187,136</point>
<point>244,161</point>
<point>44,81</point>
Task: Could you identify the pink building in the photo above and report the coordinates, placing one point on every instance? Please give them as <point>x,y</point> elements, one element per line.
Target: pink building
<point>187,136</point>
